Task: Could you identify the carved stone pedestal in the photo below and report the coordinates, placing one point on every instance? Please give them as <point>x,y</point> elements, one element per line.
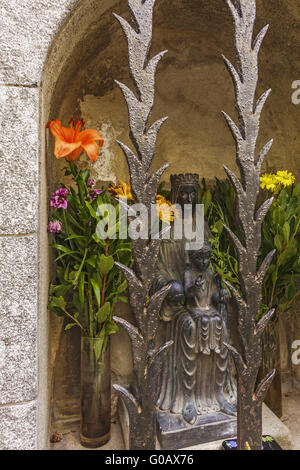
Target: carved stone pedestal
<point>174,433</point>
<point>218,430</point>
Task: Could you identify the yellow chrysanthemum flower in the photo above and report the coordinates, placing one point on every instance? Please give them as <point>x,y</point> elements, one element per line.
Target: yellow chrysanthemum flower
<point>122,190</point>
<point>165,209</point>
<point>269,182</point>
<point>284,178</point>
<point>275,183</point>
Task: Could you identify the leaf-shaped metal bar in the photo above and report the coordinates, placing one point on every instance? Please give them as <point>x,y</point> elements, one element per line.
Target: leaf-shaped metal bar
<point>238,245</point>
<point>155,368</point>
<point>263,387</point>
<point>238,360</point>
<point>137,341</point>
<point>265,266</point>
<point>234,129</point>
<point>153,311</point>
<point>262,324</point>
<point>260,103</point>
<point>245,78</point>
<point>147,365</point>
<point>262,155</point>
<point>259,39</point>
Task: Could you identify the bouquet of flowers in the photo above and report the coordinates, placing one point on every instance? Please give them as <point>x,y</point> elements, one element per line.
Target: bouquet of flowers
<point>88,284</point>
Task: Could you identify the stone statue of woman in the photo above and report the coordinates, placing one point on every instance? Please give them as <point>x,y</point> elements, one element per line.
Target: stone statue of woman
<point>195,316</point>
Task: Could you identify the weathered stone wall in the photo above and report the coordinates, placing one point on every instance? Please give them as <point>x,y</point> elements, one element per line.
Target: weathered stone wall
<point>59,58</point>
<point>27,30</point>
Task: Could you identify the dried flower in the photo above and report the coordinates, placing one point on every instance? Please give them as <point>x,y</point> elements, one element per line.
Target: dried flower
<point>70,142</point>
<point>59,199</point>
<point>56,437</point>
<point>54,226</point>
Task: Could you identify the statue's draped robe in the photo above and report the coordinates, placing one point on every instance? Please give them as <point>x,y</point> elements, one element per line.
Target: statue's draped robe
<point>195,369</point>
<point>171,268</point>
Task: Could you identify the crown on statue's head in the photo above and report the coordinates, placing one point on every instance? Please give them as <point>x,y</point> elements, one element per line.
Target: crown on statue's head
<point>184,179</point>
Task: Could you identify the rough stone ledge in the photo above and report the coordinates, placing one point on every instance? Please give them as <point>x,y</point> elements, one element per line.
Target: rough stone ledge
<point>19,147</point>
<point>18,427</point>
<point>18,319</point>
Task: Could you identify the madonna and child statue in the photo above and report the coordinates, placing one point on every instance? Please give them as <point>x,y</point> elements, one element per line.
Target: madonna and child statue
<point>197,396</point>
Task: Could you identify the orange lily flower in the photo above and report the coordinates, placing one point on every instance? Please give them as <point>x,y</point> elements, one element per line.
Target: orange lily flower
<point>70,142</point>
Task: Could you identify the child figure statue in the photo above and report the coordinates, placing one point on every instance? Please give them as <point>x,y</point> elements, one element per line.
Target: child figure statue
<point>204,331</point>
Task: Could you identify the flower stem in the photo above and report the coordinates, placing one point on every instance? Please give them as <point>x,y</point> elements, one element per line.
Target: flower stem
<point>91,320</point>
<point>74,319</point>
<point>81,267</point>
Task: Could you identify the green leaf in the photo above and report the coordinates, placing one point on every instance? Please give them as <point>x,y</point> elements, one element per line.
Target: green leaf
<point>72,275</point>
<point>91,210</point>
<point>292,290</point>
<point>278,217</point>
<point>98,345</point>
<point>58,302</point>
<point>85,174</point>
<point>219,227</point>
<point>286,231</point>
<point>61,248</point>
<point>103,313</point>
<point>60,290</point>
<point>274,276</point>
<point>92,261</point>
<point>111,327</point>
<point>81,284</point>
<point>278,243</point>
<point>69,326</point>
<point>99,240</point>
<point>74,222</point>
<point>122,287</point>
<point>296,191</point>
<point>105,263</point>
<point>283,198</point>
<point>73,237</point>
<point>207,200</point>
<point>96,289</point>
<point>289,253</point>
<point>69,253</point>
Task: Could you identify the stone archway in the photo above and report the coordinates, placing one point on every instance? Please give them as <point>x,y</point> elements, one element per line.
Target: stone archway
<point>39,41</point>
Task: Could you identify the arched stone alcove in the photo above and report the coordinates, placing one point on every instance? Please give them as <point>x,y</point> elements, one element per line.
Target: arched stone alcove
<point>192,87</point>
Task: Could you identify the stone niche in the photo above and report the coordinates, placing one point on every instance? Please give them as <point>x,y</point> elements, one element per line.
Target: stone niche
<point>193,86</point>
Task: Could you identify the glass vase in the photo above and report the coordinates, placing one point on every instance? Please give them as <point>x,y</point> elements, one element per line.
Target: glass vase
<point>95,392</point>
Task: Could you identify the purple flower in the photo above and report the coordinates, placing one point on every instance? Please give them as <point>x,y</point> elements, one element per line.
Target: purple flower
<point>96,193</point>
<point>90,183</point>
<point>54,227</point>
<point>59,199</point>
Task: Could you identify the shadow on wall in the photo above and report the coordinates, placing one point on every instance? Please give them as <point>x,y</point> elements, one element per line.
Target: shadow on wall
<point>192,88</point>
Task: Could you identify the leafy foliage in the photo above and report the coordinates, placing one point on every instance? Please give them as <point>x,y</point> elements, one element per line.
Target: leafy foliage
<point>280,231</point>
<point>88,284</point>
<point>219,210</point>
